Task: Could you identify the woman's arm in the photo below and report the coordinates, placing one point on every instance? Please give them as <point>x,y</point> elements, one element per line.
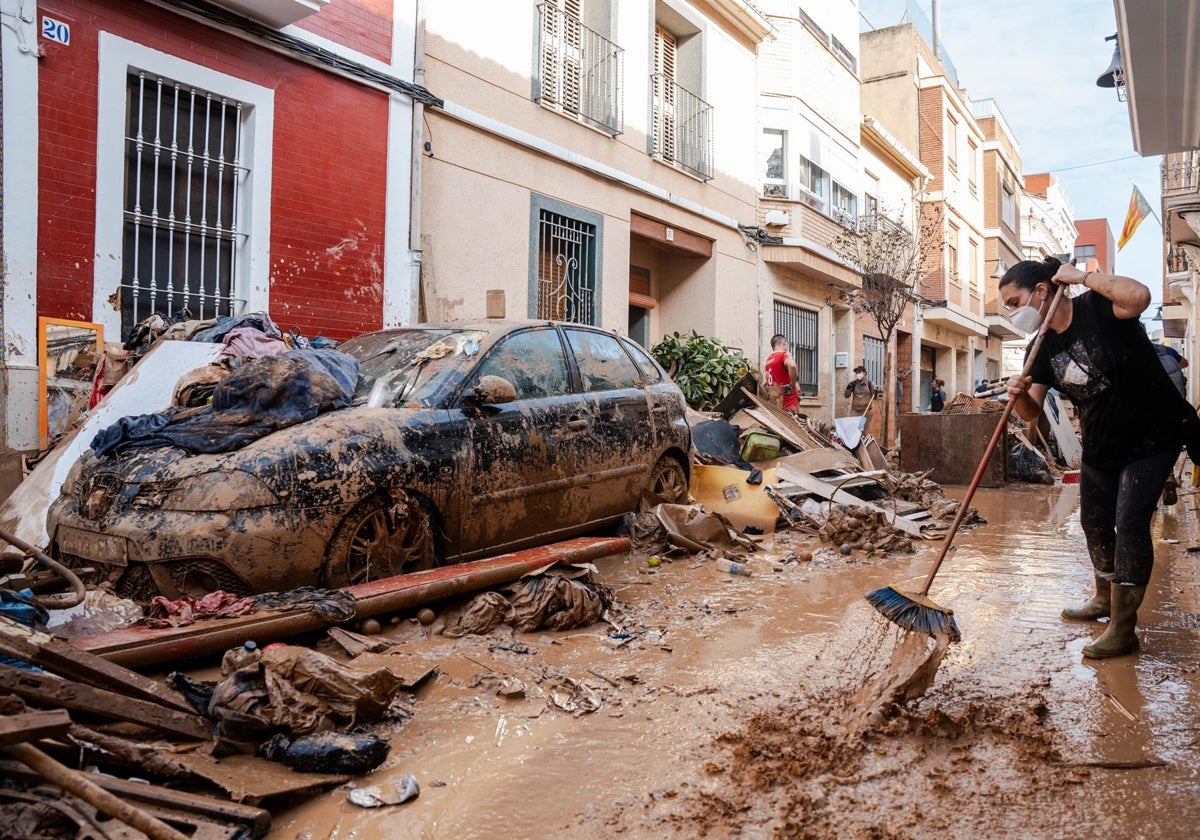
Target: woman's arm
<point>1129,297</point>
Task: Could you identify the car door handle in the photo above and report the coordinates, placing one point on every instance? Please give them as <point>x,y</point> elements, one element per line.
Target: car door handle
<point>577,423</point>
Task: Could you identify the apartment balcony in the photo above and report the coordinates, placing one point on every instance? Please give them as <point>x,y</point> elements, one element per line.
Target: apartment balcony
<point>808,237</point>
<point>1181,197</point>
<point>578,71</point>
<point>681,134</point>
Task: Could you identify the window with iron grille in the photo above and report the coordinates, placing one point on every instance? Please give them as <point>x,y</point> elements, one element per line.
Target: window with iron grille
<point>183,171</point>
<point>799,326</point>
<point>873,359</point>
<point>566,267</point>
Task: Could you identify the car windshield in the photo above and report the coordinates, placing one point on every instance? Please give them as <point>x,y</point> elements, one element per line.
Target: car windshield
<point>408,365</point>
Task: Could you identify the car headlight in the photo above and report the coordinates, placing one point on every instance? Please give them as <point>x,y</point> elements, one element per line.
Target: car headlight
<point>215,491</point>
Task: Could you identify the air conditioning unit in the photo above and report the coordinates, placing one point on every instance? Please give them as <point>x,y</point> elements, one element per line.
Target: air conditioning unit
<point>841,360</point>
<point>778,218</point>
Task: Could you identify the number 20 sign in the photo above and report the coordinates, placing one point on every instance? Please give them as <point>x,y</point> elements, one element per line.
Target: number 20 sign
<point>56,30</point>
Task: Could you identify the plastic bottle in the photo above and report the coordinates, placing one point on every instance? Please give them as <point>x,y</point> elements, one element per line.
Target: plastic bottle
<point>239,657</point>
<point>724,564</point>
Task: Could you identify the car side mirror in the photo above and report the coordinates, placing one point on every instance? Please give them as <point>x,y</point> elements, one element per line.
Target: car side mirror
<point>493,390</point>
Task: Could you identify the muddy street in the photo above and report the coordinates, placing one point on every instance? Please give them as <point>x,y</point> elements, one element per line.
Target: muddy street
<point>725,712</point>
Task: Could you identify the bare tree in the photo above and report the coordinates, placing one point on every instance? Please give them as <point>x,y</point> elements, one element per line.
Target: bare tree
<point>891,260</point>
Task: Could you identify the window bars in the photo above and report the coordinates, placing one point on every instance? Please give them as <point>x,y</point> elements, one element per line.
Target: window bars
<point>799,326</point>
<point>566,278</point>
<point>183,171</point>
<point>579,70</point>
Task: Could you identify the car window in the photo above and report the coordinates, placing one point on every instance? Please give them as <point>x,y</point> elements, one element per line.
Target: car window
<point>532,361</point>
<point>409,364</point>
<point>603,364</point>
<point>649,370</point>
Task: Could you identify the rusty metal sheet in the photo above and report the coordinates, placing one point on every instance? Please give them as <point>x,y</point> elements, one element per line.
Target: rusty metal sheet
<point>952,445</point>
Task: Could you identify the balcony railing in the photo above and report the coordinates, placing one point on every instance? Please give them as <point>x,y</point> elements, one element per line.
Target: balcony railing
<point>1177,261</point>
<point>1181,175</point>
<point>682,131</point>
<point>579,71</point>
<point>877,222</point>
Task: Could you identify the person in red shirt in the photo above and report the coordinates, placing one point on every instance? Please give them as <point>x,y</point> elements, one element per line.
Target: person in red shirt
<point>780,369</point>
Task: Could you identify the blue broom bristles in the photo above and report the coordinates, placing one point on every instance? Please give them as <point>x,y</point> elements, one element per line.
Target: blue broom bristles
<point>914,613</point>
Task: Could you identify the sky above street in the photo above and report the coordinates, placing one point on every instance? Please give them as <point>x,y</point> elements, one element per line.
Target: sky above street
<point>1039,60</point>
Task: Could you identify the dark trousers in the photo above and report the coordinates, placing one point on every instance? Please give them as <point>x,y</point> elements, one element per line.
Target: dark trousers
<point>1115,507</point>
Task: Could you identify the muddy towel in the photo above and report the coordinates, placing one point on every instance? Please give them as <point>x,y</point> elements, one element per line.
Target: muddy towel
<point>263,395</point>
<point>334,605</point>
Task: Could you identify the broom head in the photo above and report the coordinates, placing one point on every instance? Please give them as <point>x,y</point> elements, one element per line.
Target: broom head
<point>914,613</point>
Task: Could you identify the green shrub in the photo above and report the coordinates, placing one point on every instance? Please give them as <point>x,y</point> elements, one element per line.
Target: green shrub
<point>704,368</point>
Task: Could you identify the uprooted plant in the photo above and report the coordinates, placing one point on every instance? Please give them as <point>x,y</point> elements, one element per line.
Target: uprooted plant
<point>704,368</point>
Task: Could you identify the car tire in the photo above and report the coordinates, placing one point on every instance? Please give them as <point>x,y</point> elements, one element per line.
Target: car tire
<point>368,545</point>
<point>668,481</point>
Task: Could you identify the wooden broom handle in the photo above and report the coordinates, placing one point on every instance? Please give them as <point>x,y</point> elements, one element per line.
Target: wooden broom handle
<point>991,447</point>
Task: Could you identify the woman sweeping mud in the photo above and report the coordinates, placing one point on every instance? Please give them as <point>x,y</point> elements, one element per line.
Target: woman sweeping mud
<point>1097,354</point>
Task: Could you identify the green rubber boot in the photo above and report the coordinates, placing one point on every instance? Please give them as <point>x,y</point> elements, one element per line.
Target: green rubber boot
<point>1095,609</point>
<point>1118,638</point>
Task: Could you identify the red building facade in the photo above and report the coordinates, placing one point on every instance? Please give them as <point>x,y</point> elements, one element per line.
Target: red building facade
<point>171,157</point>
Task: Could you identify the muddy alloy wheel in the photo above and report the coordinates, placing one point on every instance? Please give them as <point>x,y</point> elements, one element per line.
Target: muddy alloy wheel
<point>668,481</point>
<point>380,538</point>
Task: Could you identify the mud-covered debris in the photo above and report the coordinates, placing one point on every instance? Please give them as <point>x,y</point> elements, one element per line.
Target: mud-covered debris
<point>575,696</point>
<point>917,488</point>
<point>860,528</point>
<point>406,789</point>
<point>327,752</point>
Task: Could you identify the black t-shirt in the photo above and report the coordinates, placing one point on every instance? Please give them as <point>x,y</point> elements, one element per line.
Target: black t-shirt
<point>1108,368</point>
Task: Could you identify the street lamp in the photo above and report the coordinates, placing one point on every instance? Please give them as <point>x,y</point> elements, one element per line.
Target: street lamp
<point>1114,76</point>
<point>1001,269</point>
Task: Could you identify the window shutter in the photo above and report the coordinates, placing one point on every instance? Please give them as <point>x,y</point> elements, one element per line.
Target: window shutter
<point>664,92</point>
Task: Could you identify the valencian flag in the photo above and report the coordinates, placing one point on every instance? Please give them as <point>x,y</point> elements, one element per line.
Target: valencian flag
<point>1139,209</point>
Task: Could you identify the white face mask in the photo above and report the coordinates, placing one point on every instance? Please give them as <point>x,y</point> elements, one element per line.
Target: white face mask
<point>1027,319</point>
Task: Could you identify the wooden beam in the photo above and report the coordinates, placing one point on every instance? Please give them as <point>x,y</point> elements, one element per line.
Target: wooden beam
<point>47,690</point>
<point>31,726</point>
<point>64,659</point>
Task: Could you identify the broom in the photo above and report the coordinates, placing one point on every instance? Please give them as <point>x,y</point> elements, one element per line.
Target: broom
<point>915,612</point>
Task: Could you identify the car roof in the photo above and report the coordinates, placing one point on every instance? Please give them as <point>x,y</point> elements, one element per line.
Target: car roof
<point>490,325</point>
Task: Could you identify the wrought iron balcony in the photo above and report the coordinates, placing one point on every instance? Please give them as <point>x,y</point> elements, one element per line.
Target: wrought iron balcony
<point>1181,175</point>
<point>877,222</point>
<point>682,130</point>
<point>579,71</point>
<point>1177,261</point>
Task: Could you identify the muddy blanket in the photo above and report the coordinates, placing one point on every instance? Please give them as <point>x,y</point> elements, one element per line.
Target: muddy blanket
<point>265,394</point>
<point>558,598</point>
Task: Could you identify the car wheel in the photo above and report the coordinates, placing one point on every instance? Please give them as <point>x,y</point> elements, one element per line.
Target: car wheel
<point>379,538</point>
<point>668,481</point>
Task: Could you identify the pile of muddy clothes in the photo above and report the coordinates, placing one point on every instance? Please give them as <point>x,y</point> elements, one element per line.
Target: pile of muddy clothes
<point>263,380</point>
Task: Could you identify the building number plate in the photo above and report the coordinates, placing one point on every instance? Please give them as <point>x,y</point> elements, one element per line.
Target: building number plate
<point>55,30</point>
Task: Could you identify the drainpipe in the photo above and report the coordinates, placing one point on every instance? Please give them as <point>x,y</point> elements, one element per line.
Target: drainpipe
<point>416,305</point>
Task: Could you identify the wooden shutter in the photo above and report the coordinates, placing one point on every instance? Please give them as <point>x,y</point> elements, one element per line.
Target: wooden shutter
<point>664,93</point>
<point>561,48</point>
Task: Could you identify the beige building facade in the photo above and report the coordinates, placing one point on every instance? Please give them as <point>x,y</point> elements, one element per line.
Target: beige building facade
<point>591,164</point>
<point>910,92</point>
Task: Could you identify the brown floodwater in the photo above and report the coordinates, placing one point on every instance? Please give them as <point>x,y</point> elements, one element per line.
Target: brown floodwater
<point>734,706</point>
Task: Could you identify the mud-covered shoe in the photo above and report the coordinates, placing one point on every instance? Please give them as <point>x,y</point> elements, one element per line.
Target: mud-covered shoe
<point>1119,637</point>
<point>1096,608</point>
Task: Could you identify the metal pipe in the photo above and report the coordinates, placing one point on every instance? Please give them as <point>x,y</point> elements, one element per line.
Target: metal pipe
<point>62,600</point>
<point>141,646</point>
<point>75,783</point>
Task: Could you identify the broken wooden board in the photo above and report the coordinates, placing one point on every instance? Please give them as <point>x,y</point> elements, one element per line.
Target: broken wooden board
<point>724,490</point>
<point>255,820</point>
<point>32,726</point>
<point>66,660</point>
<point>43,689</point>
<point>251,780</point>
<point>785,424</point>
<point>874,453</point>
<point>827,490</point>
<point>821,460</point>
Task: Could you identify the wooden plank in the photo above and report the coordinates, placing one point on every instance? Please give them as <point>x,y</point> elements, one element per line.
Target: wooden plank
<point>256,820</point>
<point>825,490</point>
<point>822,459</point>
<point>31,726</point>
<point>64,659</point>
<point>45,689</point>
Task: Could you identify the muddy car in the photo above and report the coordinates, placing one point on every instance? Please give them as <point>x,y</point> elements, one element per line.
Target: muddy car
<point>462,441</point>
